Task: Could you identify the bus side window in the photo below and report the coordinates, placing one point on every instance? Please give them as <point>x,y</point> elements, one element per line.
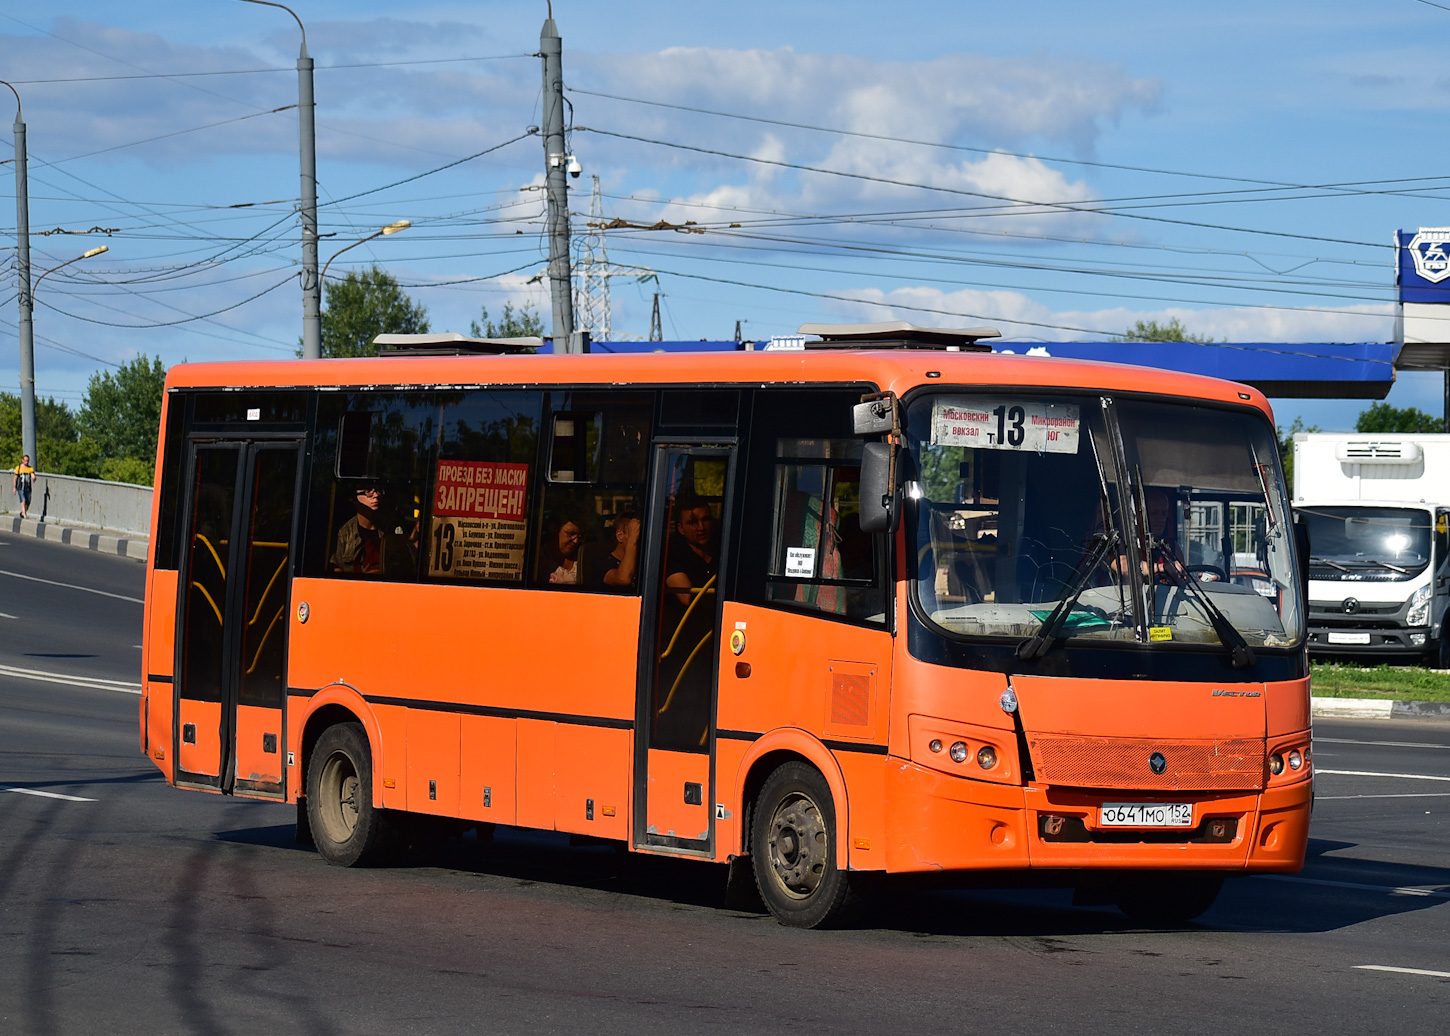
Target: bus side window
<point>370,479</point>
<point>588,533</point>
<point>820,558</point>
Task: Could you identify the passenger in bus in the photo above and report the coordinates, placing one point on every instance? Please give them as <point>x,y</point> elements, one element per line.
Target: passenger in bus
<point>365,547</point>
<point>618,568</point>
<point>567,539</point>
<point>692,558</point>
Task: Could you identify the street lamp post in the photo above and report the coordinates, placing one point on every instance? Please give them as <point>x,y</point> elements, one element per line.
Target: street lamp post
<point>307,147</point>
<point>391,228</point>
<point>23,286</point>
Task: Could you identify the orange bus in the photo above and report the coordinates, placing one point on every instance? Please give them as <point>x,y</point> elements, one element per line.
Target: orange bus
<point>886,604</point>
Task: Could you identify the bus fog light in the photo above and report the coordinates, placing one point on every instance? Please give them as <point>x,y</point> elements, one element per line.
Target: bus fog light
<point>1295,760</point>
<point>935,745</point>
<point>1276,764</point>
<point>1008,701</point>
<point>1417,639</point>
<point>986,757</point>
<point>959,751</point>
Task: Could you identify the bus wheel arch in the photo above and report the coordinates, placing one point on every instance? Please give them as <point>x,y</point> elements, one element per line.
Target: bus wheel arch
<point>768,754</point>
<point>334,704</point>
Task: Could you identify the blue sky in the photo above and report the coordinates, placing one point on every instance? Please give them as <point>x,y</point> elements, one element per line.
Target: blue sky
<point>1058,170</point>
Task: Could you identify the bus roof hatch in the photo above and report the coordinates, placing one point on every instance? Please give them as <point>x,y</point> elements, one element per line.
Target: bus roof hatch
<point>898,334</point>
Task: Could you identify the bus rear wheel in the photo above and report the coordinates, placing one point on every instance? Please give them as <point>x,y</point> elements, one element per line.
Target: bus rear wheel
<point>793,850</point>
<point>1165,900</point>
<point>347,828</point>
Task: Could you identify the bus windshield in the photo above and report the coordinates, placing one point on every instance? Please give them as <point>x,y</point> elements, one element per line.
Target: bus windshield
<point>1130,520</point>
<point>1368,544</point>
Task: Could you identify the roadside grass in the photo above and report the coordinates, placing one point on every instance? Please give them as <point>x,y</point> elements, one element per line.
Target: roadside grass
<point>1399,683</point>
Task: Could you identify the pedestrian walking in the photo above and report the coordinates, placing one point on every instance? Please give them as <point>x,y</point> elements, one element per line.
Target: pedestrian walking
<point>24,479</point>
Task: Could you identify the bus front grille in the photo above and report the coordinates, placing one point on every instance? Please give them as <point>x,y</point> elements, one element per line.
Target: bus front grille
<point>1127,763</point>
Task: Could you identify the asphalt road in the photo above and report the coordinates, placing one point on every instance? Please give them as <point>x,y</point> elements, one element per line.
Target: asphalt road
<point>127,906</point>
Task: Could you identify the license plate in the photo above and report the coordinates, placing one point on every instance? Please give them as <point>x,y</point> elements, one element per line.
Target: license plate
<point>1146,814</point>
<point>1348,638</point>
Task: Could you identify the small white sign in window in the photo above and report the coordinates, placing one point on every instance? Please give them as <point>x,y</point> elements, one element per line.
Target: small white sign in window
<point>800,562</point>
<point>254,413</point>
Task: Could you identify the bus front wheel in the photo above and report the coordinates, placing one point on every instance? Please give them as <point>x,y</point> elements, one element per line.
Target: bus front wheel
<point>793,850</point>
<point>347,828</point>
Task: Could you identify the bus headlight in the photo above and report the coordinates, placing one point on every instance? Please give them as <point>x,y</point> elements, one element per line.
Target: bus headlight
<point>1419,613</point>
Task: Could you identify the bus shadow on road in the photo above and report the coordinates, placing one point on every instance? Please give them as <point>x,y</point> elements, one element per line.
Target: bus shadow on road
<point>1333,892</point>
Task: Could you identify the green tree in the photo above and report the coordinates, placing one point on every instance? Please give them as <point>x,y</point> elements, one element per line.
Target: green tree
<point>1286,446</point>
<point>1152,331</point>
<point>364,305</point>
<point>58,440</point>
<point>515,323</point>
<point>121,416</point>
<point>1381,417</point>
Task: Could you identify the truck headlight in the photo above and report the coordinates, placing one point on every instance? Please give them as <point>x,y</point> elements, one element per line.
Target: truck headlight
<point>1419,613</point>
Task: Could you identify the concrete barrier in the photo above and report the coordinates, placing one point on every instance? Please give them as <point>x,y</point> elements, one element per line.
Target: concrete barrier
<point>66,500</point>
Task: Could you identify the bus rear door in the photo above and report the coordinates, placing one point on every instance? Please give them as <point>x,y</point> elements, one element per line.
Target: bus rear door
<point>231,623</point>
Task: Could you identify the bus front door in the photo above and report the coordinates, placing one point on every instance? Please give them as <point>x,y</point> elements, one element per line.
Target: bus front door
<point>231,643</point>
<point>674,787</point>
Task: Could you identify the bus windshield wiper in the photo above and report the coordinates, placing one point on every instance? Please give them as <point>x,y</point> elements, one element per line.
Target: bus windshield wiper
<point>1040,642</point>
<point>1241,655</point>
<point>1327,563</point>
<point>1384,564</point>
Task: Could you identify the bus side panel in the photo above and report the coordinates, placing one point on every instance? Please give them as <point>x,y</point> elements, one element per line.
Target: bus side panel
<point>390,758</point>
<point>795,670</point>
<point>159,659</point>
<point>433,762</point>
<point>161,624</point>
<point>535,794</point>
<point>534,651</point>
<point>592,780</point>
<point>489,759</point>
<point>866,799</point>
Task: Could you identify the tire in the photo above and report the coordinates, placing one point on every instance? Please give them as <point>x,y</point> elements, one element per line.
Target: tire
<point>793,850</point>
<point>1167,900</point>
<point>348,830</point>
<point>1440,657</point>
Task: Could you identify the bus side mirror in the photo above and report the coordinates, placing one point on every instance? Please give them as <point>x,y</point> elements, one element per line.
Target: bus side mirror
<point>873,417</point>
<point>1303,550</point>
<point>880,505</point>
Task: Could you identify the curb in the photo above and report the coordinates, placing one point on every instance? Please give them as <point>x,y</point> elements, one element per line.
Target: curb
<point>122,544</point>
<point>1377,708</point>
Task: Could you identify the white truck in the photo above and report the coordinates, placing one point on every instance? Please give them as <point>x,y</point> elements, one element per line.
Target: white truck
<point>1376,507</point>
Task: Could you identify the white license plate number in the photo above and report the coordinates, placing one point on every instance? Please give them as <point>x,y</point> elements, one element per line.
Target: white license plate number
<point>1348,638</point>
<point>1146,814</point>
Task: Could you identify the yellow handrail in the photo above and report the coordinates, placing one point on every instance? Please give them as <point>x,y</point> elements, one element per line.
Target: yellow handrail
<point>263,599</point>
<point>263,642</point>
<point>215,556</point>
<point>698,595</point>
<point>681,674</point>
<point>198,586</point>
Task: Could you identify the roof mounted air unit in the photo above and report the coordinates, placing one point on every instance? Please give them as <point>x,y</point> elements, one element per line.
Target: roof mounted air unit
<point>451,343</point>
<point>898,334</point>
<point>1377,451</point>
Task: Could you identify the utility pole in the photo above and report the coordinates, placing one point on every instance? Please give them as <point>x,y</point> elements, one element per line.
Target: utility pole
<point>23,289</point>
<point>561,285</point>
<point>656,333</point>
<point>307,152</point>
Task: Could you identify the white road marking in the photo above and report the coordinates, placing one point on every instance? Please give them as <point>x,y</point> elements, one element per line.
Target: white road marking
<point>1383,744</point>
<point>72,586</point>
<point>1402,971</point>
<point>1391,890</point>
<point>89,682</point>
<point>46,794</point>
<point>1398,795</point>
<point>4,616</point>
<point>1370,773</point>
